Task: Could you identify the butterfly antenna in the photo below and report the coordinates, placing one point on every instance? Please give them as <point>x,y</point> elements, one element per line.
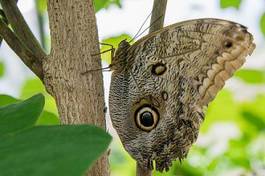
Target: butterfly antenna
<point>146,29</point>
<point>141,26</point>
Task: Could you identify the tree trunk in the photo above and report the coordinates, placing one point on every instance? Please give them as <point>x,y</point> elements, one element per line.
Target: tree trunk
<point>74,38</point>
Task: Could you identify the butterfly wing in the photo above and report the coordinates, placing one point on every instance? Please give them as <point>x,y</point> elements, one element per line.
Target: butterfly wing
<point>170,75</point>
<point>205,51</point>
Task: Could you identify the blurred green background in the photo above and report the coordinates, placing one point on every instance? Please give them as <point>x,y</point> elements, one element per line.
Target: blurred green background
<point>232,137</point>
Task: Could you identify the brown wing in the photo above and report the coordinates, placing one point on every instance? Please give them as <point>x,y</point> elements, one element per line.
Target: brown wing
<point>174,72</point>
<point>205,52</point>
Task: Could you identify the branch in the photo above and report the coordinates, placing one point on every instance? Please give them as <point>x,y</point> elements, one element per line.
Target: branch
<point>158,15</point>
<point>41,26</point>
<point>21,28</point>
<point>22,51</point>
<point>157,22</point>
<point>142,172</point>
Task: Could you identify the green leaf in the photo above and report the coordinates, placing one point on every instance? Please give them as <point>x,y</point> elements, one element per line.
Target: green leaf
<point>99,4</point>
<point>104,4</point>
<point>114,41</point>
<point>22,115</point>
<point>2,69</point>
<point>255,106</point>
<point>254,120</point>
<point>6,99</point>
<point>48,118</point>
<point>251,76</point>
<point>34,86</point>
<point>222,109</point>
<point>262,24</point>
<point>121,162</point>
<point>239,146</point>
<point>52,150</point>
<point>118,3</point>
<point>230,3</point>
<point>41,6</point>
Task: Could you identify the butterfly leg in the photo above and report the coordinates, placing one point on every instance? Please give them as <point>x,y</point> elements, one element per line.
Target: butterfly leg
<point>112,49</point>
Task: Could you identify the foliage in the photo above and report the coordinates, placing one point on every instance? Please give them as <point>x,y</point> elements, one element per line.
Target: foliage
<point>251,76</point>
<point>33,86</point>
<point>104,4</point>
<point>41,6</point>
<point>50,114</point>
<point>262,24</point>
<point>2,69</point>
<point>230,3</point>
<point>48,118</point>
<point>121,162</point>
<point>45,150</point>
<point>16,117</point>
<point>6,99</point>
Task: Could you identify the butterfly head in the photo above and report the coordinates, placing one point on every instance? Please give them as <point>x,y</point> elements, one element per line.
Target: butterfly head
<point>118,61</point>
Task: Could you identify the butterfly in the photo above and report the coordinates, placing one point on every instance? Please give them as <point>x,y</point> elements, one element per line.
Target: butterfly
<point>161,84</point>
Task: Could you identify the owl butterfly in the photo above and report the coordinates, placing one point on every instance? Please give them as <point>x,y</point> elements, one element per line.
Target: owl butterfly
<point>161,83</point>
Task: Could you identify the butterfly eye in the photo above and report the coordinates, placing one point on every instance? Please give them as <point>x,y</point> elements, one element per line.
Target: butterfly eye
<point>146,118</point>
<point>158,69</point>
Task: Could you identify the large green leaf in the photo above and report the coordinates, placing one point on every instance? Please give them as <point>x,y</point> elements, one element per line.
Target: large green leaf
<point>6,99</point>
<point>52,150</point>
<point>48,118</point>
<point>45,150</point>
<point>230,3</point>
<point>262,24</point>
<point>251,76</point>
<point>114,41</point>
<point>22,115</point>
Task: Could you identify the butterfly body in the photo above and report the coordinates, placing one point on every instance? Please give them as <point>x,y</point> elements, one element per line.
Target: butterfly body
<point>161,83</point>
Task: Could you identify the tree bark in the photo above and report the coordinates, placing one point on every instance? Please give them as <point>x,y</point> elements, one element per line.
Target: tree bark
<point>74,38</point>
